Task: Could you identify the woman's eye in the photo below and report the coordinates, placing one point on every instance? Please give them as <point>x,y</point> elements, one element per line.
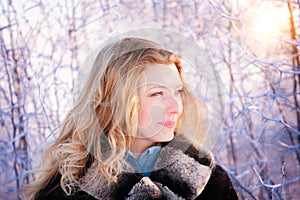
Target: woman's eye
<point>157,94</point>
<point>178,92</point>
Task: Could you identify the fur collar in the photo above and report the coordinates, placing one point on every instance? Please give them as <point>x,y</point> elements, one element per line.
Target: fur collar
<point>176,176</point>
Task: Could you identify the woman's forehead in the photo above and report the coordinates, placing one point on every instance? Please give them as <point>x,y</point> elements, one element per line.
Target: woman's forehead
<point>162,75</point>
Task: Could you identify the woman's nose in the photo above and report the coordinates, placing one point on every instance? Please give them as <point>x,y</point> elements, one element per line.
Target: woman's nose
<point>173,105</point>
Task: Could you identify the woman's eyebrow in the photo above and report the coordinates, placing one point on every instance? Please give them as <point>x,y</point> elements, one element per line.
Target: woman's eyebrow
<point>156,86</point>
<point>163,86</point>
<point>179,85</point>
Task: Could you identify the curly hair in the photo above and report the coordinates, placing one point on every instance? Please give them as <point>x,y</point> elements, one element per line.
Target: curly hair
<point>107,107</point>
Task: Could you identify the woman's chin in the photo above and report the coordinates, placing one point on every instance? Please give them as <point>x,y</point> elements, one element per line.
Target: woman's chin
<point>166,137</point>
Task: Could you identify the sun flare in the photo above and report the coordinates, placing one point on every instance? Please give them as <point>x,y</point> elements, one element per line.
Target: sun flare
<point>268,20</point>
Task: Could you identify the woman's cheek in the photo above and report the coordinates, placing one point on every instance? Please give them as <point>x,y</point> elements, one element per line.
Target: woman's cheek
<point>150,114</point>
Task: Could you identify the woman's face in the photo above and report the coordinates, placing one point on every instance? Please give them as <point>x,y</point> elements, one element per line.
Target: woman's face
<point>160,103</point>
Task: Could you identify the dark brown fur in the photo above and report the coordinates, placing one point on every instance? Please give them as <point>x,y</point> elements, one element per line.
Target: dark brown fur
<point>178,175</point>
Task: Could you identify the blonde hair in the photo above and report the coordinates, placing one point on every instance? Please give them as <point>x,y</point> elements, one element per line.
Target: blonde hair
<point>103,120</point>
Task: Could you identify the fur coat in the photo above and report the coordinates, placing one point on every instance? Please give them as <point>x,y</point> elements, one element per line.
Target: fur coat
<point>178,175</point>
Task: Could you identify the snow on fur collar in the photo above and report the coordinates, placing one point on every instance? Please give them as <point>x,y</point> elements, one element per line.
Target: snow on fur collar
<point>176,176</point>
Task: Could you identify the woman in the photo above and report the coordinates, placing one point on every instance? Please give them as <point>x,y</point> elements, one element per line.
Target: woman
<point>129,134</point>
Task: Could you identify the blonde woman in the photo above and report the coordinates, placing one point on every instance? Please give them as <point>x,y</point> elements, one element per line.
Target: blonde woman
<point>128,135</point>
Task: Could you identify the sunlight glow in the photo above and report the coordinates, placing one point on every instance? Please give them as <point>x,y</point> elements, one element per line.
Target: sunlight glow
<point>266,25</point>
<point>268,20</point>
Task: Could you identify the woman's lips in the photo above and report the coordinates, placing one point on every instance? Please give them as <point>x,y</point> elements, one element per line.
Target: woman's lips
<point>169,124</point>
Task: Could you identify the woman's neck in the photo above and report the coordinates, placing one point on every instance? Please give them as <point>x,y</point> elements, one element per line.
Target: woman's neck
<point>139,146</point>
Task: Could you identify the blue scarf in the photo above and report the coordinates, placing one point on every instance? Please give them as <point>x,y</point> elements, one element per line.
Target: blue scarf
<point>145,163</point>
